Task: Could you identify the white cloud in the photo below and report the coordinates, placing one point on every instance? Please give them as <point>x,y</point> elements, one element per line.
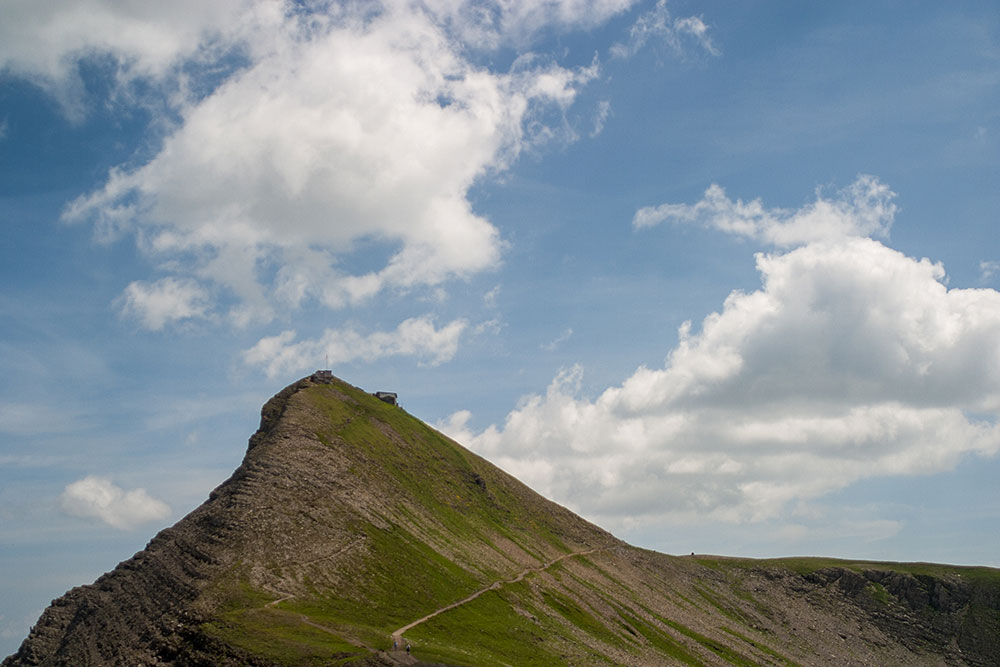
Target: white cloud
<point>864,208</point>
<point>695,28</point>
<point>492,326</point>
<point>164,302</point>
<point>487,24</point>
<point>349,145</point>
<point>98,498</point>
<point>851,361</point>
<point>456,426</point>
<point>658,24</point>
<point>601,117</point>
<point>413,337</point>
<point>988,269</point>
<point>558,340</point>
<point>490,298</point>
<point>45,41</point>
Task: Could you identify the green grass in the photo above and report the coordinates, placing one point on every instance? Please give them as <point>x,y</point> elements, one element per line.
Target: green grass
<point>763,648</point>
<point>712,645</point>
<point>405,582</point>
<point>486,631</point>
<point>878,592</point>
<point>726,610</point>
<point>663,642</point>
<point>810,564</point>
<point>280,636</point>
<point>235,592</point>
<point>245,620</point>
<point>425,466</point>
<point>455,498</point>
<point>580,618</point>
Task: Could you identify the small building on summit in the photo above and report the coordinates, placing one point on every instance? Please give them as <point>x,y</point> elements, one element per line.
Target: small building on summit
<point>386,396</point>
<point>323,377</point>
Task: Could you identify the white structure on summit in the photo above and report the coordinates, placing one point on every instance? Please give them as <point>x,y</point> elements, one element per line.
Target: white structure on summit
<point>322,377</point>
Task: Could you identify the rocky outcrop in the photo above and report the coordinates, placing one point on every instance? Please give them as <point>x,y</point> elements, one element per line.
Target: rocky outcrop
<point>146,611</point>
<point>141,613</point>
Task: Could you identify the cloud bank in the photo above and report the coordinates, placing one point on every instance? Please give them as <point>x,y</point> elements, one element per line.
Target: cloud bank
<point>98,498</point>
<point>850,361</point>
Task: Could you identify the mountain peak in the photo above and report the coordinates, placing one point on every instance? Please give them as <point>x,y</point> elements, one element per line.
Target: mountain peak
<point>351,526</point>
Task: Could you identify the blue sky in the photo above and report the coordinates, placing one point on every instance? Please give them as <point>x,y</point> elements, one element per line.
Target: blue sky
<point>721,277</point>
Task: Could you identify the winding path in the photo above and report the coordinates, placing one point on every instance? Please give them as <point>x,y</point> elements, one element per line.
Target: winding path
<point>288,596</point>
<point>398,634</point>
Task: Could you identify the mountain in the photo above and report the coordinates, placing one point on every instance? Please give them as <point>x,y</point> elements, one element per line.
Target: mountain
<point>350,525</point>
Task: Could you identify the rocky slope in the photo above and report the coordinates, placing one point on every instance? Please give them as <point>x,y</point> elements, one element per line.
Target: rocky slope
<point>351,524</point>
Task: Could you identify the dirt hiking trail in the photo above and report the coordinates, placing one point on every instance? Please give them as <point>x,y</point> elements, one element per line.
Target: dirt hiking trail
<point>397,636</point>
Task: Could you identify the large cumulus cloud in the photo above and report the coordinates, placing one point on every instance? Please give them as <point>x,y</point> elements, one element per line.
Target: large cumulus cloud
<point>851,360</point>
<point>351,140</point>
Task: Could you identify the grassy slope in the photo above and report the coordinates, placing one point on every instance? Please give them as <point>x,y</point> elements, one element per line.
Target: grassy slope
<point>810,564</point>
<point>437,523</point>
<point>448,524</point>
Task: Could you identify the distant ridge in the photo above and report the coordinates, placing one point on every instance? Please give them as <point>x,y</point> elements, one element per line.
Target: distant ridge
<point>351,525</point>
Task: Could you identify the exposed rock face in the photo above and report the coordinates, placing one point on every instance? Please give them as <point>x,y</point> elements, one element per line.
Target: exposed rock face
<point>146,611</point>
<point>350,525</point>
<point>924,612</point>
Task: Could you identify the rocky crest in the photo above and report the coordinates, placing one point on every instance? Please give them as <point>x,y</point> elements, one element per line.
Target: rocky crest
<point>351,525</point>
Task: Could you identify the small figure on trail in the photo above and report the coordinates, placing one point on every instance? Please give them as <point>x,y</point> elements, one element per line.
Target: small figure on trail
<point>394,644</point>
<point>407,648</point>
